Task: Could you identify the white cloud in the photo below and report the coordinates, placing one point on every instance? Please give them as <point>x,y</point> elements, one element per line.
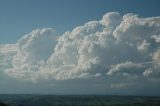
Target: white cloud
<point>127,68</point>
<point>32,51</point>
<point>147,72</point>
<point>37,45</point>
<point>114,45</point>
<point>111,19</point>
<point>144,46</point>
<point>156,55</point>
<point>156,38</point>
<point>7,52</point>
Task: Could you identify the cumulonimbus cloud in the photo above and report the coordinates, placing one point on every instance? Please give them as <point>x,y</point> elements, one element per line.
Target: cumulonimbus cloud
<point>114,45</point>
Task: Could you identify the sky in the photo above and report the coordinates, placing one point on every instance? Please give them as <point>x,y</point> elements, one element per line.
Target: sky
<point>80,47</point>
<point>18,17</point>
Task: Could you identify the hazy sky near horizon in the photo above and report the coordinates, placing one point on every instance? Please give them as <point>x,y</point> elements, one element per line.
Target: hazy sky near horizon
<point>80,47</point>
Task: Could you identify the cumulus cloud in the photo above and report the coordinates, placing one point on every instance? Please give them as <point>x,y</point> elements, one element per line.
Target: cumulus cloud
<point>7,53</point>
<point>144,46</point>
<point>115,45</point>
<point>125,68</point>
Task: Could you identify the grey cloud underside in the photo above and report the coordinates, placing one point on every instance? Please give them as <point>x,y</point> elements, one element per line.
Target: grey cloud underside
<point>126,47</point>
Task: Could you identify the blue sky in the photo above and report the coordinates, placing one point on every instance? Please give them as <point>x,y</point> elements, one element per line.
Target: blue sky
<point>80,47</point>
<point>18,17</point>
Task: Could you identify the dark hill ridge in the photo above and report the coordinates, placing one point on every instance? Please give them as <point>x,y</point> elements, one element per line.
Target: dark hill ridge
<point>78,100</point>
<point>3,104</point>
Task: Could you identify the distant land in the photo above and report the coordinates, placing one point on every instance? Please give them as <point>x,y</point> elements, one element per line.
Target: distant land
<point>77,100</point>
